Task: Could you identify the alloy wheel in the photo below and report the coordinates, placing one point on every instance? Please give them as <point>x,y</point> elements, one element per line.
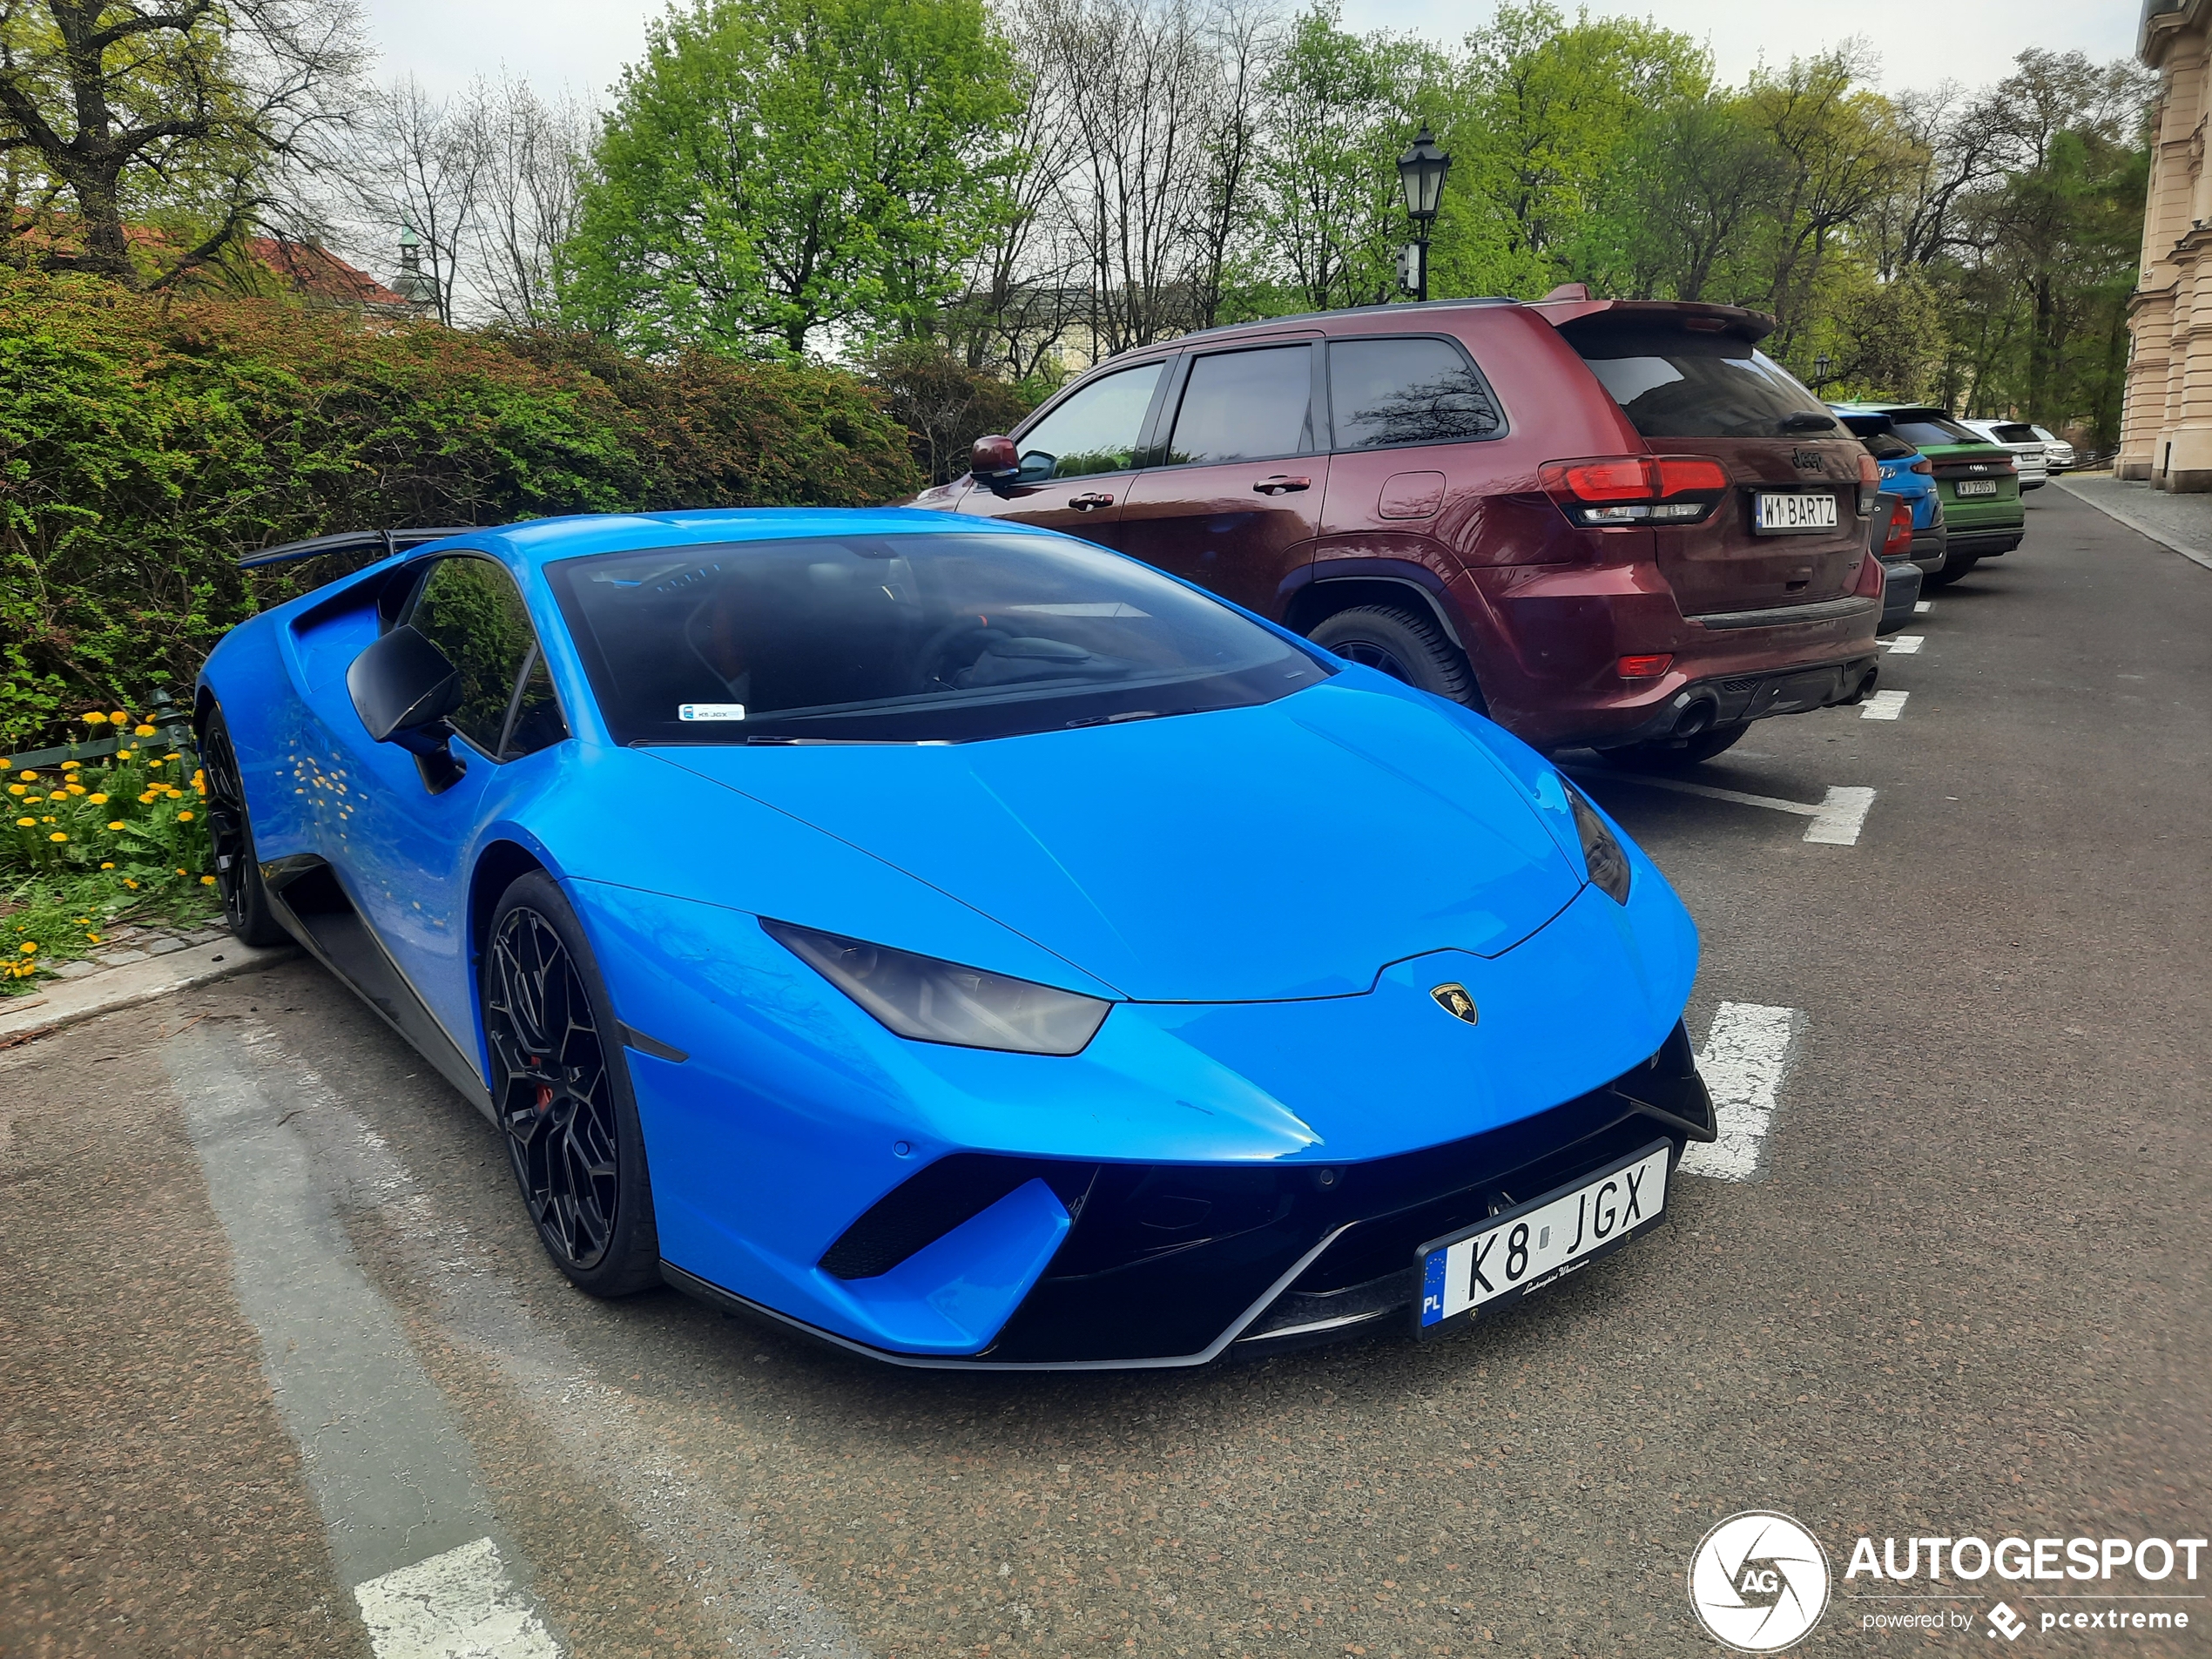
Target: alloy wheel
<point>1367,654</point>
<point>226,821</point>
<point>555,1100</point>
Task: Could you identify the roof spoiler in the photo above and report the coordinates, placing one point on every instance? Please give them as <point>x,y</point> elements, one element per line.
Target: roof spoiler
<point>382,544</point>
<point>1866,426</point>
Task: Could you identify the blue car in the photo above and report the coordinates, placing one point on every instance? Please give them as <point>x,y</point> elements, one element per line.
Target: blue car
<point>957,941</point>
<point>1907,475</point>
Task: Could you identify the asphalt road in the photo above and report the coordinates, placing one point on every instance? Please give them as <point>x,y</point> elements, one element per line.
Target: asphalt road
<point>273,1324</point>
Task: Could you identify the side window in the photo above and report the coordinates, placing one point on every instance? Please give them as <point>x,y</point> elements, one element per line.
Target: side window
<point>1094,431</point>
<point>469,610</point>
<point>1243,405</point>
<point>1386,392</point>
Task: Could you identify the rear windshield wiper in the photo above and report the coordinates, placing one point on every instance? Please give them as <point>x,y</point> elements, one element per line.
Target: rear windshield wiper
<point>1806,420</point>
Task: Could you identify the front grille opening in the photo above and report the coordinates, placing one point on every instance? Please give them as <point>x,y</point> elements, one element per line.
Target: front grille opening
<point>922,1210</point>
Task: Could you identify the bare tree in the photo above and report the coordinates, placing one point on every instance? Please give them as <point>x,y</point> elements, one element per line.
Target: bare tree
<point>420,162</point>
<point>212,115</point>
<point>531,154</point>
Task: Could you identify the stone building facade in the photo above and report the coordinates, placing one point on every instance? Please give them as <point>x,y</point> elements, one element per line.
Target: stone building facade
<point>2166,430</point>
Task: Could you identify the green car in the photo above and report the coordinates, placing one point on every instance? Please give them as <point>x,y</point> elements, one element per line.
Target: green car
<point>1977,484</point>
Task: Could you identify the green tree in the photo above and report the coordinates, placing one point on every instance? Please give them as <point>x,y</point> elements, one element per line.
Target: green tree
<point>197,120</point>
<point>779,171</point>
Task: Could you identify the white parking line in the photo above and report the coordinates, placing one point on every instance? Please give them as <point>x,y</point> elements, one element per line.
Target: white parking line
<point>1907,644</point>
<point>1882,705</point>
<point>1836,821</point>
<point>1921,607</point>
<point>1748,1054</point>
<point>454,1606</point>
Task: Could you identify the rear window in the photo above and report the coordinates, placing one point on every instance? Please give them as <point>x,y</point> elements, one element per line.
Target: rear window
<point>1675,384</point>
<point>1924,428</point>
<point>908,638</point>
<point>2015,435</point>
<point>1883,447</point>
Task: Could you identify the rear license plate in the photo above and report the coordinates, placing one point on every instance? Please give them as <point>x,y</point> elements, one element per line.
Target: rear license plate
<point>1978,486</point>
<point>1773,513</point>
<point>1509,1255</point>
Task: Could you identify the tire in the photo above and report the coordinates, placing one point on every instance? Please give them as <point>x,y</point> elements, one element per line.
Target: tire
<point>561,1088</point>
<point>1405,644</point>
<point>238,869</point>
<point>1956,565</point>
<point>1665,755</point>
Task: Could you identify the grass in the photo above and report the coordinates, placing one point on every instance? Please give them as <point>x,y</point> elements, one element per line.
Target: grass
<point>66,917</point>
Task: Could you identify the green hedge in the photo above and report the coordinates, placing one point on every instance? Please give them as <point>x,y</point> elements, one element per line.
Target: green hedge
<point>145,445</point>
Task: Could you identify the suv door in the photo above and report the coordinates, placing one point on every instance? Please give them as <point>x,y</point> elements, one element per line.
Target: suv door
<point>1077,457</point>
<point>1234,499</point>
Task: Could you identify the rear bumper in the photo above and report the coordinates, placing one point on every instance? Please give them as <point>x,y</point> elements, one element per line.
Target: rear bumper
<point>1930,547</point>
<point>1986,544</point>
<point>1310,1253</point>
<point>1546,643</point>
<point>1900,591</point>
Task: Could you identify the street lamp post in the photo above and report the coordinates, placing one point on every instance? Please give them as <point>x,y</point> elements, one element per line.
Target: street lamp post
<point>1421,175</point>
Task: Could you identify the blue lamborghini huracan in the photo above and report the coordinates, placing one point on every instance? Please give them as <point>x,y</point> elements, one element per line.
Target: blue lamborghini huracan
<point>955,941</point>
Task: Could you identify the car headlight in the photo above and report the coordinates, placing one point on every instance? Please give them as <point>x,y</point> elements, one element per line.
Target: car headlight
<point>1601,850</point>
<point>934,1001</point>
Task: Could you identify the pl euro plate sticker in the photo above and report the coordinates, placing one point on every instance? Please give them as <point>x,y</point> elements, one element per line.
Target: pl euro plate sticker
<point>710,711</point>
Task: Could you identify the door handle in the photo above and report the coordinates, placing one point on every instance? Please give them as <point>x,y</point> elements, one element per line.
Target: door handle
<point>1279,485</point>
<point>1089,499</point>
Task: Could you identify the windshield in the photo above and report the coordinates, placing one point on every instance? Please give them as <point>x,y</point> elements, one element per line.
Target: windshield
<point>1675,384</point>
<point>903,639</point>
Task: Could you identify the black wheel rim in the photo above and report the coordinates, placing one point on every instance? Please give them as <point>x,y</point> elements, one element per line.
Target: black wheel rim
<point>555,1100</point>
<point>227,832</point>
<point>1367,654</point>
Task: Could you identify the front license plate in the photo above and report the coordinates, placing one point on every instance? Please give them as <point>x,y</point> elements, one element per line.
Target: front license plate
<point>1795,511</point>
<point>1511,1254</point>
<point>1978,486</point>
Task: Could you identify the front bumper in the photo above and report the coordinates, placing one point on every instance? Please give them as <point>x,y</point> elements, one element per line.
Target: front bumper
<point>1175,1264</point>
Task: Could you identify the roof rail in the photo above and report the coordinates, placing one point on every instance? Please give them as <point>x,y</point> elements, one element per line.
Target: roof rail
<point>383,543</point>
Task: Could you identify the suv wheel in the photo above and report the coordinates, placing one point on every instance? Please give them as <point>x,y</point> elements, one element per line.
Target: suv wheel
<point>1404,645</point>
<point>1662,755</point>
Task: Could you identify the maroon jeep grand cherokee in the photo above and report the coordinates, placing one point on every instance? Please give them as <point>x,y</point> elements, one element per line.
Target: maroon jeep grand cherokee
<point>1599,522</point>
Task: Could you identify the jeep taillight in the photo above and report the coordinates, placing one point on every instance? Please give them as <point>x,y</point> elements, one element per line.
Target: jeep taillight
<point>1630,491</point>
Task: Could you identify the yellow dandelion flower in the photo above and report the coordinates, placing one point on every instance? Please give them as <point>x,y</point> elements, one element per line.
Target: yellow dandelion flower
<point>142,730</point>
<point>118,718</point>
<point>26,823</point>
<point>76,789</point>
<point>95,938</point>
<point>93,717</point>
<point>15,789</point>
<point>71,765</point>
<point>29,946</point>
<point>96,800</point>
<point>182,871</point>
<point>207,882</point>
<point>184,818</point>
<point>58,836</point>
<point>116,824</point>
<point>128,882</point>
<point>5,764</point>
<point>172,755</point>
<point>31,776</point>
<point>107,867</point>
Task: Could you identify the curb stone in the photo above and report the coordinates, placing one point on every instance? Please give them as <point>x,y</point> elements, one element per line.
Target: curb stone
<point>89,995</point>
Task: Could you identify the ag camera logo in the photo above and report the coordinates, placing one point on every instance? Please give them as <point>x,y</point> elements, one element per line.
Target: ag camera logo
<point>1759,1582</point>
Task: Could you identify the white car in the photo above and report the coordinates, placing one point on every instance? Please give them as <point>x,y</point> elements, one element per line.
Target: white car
<point>2058,454</point>
<point>2027,448</point>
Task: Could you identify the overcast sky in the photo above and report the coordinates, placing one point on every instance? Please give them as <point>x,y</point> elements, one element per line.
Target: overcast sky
<point>583,43</point>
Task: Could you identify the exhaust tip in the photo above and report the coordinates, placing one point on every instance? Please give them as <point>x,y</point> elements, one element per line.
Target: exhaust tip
<point>1694,718</point>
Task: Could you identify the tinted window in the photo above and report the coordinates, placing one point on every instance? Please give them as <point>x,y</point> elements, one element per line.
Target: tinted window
<point>903,639</point>
<point>1883,447</point>
<point>1922,427</point>
<point>1675,384</point>
<point>2015,434</point>
<point>1239,405</point>
<point>469,609</point>
<point>1096,431</point>
<point>1405,391</point>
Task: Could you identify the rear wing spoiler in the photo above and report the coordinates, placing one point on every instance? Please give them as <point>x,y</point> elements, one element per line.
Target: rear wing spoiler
<point>381,543</point>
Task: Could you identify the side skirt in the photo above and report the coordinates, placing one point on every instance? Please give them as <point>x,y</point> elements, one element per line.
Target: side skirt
<point>306,898</point>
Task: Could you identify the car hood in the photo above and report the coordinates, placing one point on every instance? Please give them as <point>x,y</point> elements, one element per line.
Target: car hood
<point>1291,850</point>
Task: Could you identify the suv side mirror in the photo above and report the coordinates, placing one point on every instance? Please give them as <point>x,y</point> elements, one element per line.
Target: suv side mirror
<point>403,687</point>
<point>995,462</point>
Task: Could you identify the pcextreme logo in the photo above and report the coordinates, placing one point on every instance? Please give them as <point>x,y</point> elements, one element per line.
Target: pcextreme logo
<point>1759,1582</point>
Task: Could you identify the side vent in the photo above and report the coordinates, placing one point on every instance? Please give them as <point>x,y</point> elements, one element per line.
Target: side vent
<point>924,1209</point>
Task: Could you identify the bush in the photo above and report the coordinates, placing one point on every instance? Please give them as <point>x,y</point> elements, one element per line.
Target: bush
<point>146,444</point>
<point>945,405</point>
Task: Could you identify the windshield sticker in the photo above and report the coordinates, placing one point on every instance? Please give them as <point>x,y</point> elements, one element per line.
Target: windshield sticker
<point>710,711</point>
